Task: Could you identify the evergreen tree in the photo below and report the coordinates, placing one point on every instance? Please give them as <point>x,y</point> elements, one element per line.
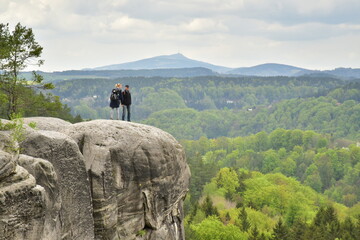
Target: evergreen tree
<point>208,208</point>
<point>325,225</point>
<point>318,233</point>
<point>244,222</point>
<point>18,50</point>
<point>332,222</point>
<point>357,226</point>
<point>298,230</point>
<point>320,219</point>
<point>254,234</point>
<point>263,237</point>
<point>280,231</point>
<point>348,230</point>
<point>227,217</point>
<point>77,119</point>
<point>193,212</point>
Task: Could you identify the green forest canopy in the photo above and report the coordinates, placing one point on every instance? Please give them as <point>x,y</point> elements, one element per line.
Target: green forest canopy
<point>302,182</point>
<point>226,106</point>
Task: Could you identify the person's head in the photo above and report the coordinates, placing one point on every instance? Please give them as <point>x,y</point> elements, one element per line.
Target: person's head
<point>118,85</point>
<point>127,87</point>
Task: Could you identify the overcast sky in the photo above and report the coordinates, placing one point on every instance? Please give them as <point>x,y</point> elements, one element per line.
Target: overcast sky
<point>76,34</point>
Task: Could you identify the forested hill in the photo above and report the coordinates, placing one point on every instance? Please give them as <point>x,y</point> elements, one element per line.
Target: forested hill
<point>165,61</point>
<point>215,106</point>
<point>288,184</point>
<point>111,74</point>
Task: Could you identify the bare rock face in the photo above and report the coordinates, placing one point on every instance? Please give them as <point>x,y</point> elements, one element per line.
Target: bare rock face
<point>96,180</point>
<point>22,203</point>
<point>139,178</point>
<point>75,217</point>
<point>45,176</point>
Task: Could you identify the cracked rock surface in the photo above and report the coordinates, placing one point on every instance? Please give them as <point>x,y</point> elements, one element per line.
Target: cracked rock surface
<point>101,179</point>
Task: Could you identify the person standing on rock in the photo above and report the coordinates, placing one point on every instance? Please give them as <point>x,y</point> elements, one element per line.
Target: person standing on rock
<point>126,102</point>
<point>116,97</point>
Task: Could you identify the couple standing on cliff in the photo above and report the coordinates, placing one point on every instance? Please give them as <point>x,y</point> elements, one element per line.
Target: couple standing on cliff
<point>118,97</point>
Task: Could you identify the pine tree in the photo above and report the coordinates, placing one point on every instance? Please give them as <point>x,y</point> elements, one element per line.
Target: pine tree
<point>298,230</point>
<point>357,226</point>
<point>227,217</point>
<point>332,223</point>
<point>280,231</point>
<point>244,223</point>
<point>348,230</point>
<point>262,237</point>
<point>254,235</point>
<point>208,208</point>
<point>193,212</point>
<point>18,49</point>
<point>315,232</point>
<point>319,219</point>
<point>325,225</point>
<point>330,214</point>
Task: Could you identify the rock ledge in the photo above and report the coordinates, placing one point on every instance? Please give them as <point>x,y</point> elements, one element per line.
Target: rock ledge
<point>101,179</point>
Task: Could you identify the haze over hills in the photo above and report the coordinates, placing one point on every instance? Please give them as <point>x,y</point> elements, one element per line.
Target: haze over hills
<point>270,69</point>
<point>165,61</point>
<point>177,65</point>
<point>183,64</point>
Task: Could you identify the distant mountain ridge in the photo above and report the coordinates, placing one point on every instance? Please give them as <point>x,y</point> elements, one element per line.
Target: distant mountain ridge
<point>269,69</point>
<point>162,62</point>
<point>182,63</point>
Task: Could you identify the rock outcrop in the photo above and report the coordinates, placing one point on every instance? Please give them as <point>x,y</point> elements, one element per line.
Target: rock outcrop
<point>93,180</point>
<point>22,203</point>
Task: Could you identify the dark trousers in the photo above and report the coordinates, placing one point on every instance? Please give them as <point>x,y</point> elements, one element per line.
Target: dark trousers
<point>126,108</point>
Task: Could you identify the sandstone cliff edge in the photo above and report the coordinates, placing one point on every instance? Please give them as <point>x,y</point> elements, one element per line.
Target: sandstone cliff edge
<point>100,179</point>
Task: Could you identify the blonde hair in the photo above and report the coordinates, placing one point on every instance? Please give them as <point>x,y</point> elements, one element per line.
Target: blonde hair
<point>118,85</point>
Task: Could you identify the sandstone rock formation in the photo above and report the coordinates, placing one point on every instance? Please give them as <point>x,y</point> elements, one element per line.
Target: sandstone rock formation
<point>62,152</point>
<point>93,180</point>
<point>22,207</point>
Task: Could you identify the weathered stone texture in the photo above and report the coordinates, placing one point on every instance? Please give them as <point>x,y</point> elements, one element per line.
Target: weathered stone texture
<point>75,217</point>
<point>138,175</point>
<point>95,180</point>
<point>22,203</point>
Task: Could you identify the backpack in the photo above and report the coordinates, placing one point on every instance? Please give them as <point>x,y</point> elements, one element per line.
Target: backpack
<point>114,95</point>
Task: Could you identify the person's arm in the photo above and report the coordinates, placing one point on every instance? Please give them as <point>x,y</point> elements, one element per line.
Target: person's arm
<point>120,96</point>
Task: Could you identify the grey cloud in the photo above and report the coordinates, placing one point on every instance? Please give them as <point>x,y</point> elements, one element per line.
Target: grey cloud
<point>291,14</point>
<point>306,31</point>
<point>198,28</point>
<point>283,11</point>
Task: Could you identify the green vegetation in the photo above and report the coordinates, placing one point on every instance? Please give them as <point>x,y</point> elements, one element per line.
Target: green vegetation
<point>323,114</point>
<point>18,50</point>
<point>18,95</point>
<point>281,185</point>
<point>268,206</point>
<point>31,103</point>
<point>226,106</point>
<point>17,133</point>
<point>141,233</point>
<point>316,160</point>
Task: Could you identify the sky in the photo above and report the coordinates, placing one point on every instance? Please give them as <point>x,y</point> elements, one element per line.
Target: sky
<point>77,34</point>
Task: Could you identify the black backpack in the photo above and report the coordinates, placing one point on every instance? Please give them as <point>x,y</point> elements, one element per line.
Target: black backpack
<point>114,95</point>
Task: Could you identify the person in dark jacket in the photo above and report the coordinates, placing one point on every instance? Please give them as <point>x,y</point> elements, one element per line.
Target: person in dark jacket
<point>126,102</point>
<point>115,100</point>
